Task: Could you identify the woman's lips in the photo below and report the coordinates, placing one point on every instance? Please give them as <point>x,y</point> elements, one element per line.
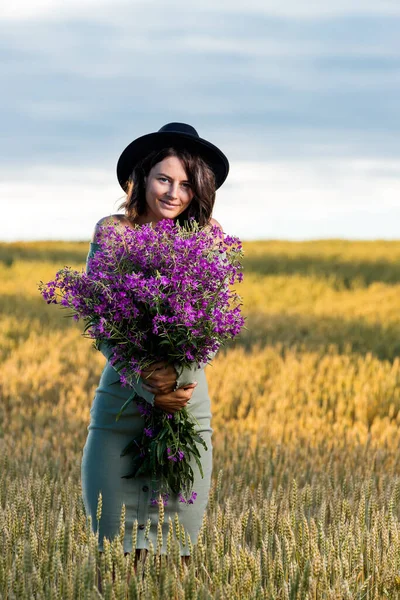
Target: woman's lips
<point>169,204</point>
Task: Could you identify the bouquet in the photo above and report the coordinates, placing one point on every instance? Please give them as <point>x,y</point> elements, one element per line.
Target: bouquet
<point>157,293</point>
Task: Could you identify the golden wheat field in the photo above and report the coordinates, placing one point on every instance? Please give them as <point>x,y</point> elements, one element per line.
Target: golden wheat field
<point>305,501</point>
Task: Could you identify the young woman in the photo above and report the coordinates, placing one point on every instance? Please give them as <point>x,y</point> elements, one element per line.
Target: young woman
<point>169,174</point>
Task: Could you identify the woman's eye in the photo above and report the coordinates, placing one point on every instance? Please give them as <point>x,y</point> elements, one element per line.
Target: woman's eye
<point>184,184</point>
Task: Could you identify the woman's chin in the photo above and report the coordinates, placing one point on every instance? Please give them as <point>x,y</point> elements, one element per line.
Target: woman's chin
<point>168,214</point>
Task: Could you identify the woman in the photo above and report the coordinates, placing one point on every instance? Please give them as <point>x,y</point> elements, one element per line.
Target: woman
<point>173,174</point>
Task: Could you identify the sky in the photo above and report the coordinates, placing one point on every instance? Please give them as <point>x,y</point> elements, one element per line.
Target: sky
<point>302,97</point>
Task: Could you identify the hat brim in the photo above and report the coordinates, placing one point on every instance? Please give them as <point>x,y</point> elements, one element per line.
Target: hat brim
<point>145,144</point>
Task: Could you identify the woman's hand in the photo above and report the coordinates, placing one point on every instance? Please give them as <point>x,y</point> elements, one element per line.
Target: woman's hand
<point>159,377</point>
<point>174,401</point>
<point>160,380</point>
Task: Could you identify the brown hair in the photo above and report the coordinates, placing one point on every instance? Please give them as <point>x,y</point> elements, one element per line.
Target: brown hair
<point>200,175</point>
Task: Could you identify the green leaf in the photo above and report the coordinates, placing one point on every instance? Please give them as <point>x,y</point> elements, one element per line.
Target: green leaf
<point>171,431</point>
<point>131,397</point>
<point>87,326</point>
<point>154,466</point>
<point>162,434</point>
<point>132,445</point>
<point>199,465</point>
<point>143,469</point>
<point>136,463</point>
<point>161,449</point>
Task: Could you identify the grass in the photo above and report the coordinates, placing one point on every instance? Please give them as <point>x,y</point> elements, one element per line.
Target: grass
<point>305,497</point>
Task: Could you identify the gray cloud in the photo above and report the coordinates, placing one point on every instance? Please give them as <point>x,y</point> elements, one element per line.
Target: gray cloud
<point>77,87</point>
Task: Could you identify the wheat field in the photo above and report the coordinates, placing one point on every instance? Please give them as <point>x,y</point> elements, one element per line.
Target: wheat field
<point>305,499</point>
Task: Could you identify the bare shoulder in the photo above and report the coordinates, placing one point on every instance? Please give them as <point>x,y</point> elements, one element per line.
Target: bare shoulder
<point>108,220</point>
<point>213,222</point>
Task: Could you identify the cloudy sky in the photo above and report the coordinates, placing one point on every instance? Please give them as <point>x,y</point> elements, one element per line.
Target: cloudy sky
<point>301,95</point>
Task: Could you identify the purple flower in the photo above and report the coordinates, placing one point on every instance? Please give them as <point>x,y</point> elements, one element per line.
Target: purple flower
<point>192,498</point>
<point>164,498</point>
<point>144,409</point>
<point>162,292</point>
<point>172,456</point>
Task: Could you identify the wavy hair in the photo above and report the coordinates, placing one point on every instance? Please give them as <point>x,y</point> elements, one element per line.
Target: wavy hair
<point>200,176</point>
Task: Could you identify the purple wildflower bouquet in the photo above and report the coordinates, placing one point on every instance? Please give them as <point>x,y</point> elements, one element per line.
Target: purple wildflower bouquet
<point>157,293</point>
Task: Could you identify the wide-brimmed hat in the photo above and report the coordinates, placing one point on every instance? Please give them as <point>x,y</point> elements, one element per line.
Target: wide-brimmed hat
<point>179,135</point>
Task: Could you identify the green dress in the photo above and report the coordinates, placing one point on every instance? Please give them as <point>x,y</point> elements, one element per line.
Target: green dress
<point>102,467</point>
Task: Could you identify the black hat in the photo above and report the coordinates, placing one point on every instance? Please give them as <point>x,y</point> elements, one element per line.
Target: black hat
<point>178,135</point>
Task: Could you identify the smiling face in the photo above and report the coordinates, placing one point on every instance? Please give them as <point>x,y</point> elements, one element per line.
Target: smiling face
<point>168,191</point>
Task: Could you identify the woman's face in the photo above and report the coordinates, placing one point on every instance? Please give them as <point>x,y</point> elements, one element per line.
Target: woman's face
<point>168,191</point>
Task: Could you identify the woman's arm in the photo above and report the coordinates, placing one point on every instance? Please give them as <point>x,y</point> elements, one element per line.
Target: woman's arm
<point>187,375</point>
<point>106,349</point>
